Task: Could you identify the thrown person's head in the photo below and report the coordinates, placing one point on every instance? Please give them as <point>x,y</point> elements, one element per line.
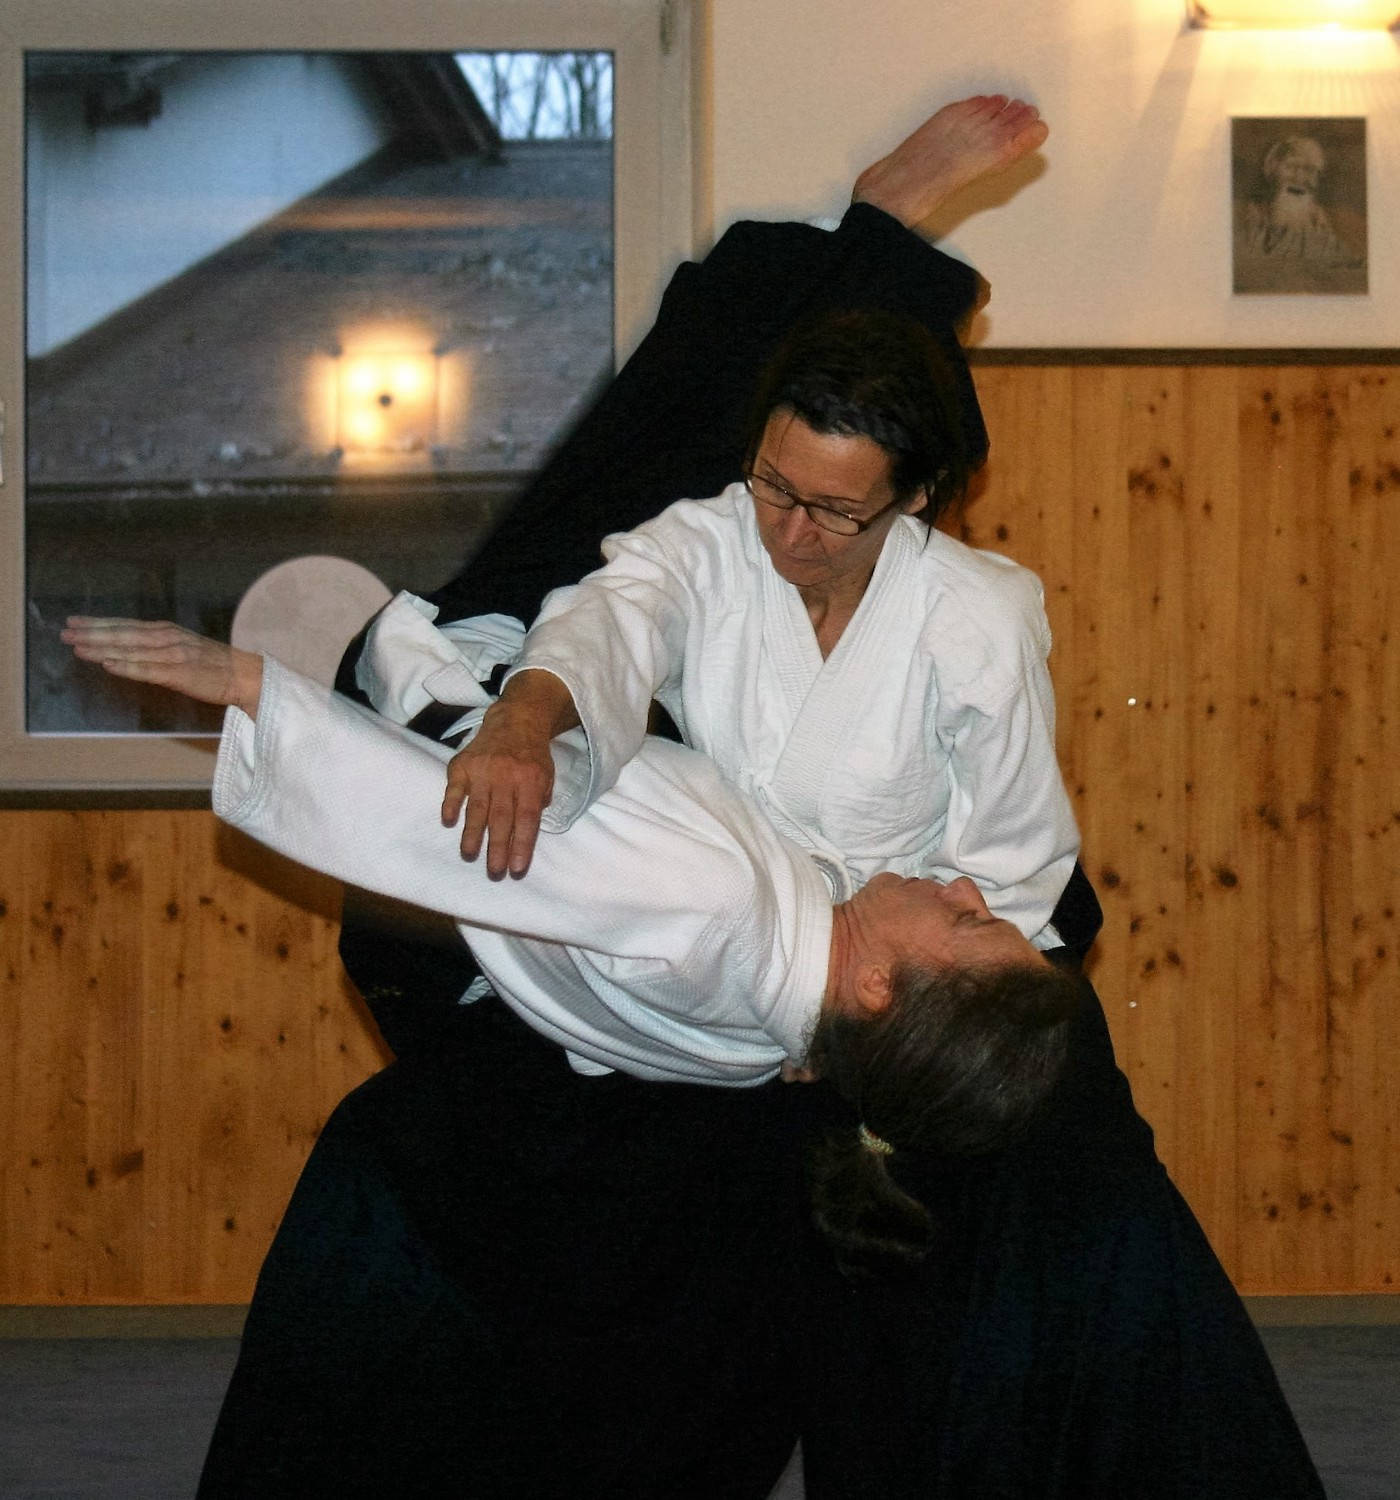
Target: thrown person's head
<point>874,375</point>
<point>957,1063</point>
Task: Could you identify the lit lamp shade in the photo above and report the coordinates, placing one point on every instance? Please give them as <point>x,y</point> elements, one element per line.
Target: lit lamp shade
<point>387,402</point>
<point>1279,14</point>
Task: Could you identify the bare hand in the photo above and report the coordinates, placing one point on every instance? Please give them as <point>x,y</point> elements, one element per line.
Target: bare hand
<point>168,656</point>
<point>505,775</point>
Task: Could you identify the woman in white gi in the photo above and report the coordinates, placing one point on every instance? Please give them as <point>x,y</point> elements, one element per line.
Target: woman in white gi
<point>879,687</point>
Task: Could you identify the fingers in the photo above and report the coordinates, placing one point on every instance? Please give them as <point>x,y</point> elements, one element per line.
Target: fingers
<point>458,782</point>
<point>166,655</point>
<point>500,826</point>
<point>509,823</point>
<point>523,838</point>
<point>474,829</point>
<point>504,796</point>
<point>93,637</point>
<point>130,647</point>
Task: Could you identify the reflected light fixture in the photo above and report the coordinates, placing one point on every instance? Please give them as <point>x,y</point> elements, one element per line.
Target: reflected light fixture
<point>387,402</point>
<point>1275,15</point>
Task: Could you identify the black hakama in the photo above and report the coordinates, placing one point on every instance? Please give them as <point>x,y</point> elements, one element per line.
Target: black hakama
<point>1071,1336</point>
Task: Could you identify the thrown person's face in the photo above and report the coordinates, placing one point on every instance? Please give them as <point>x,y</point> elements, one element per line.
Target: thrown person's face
<point>841,472</point>
<point>934,926</point>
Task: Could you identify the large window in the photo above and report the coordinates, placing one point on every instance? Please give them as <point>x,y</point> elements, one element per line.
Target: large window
<point>281,302</point>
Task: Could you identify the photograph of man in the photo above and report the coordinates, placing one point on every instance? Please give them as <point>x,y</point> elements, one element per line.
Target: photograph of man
<point>1299,189</point>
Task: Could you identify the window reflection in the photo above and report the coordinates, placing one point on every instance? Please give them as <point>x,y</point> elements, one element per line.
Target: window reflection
<point>290,303</point>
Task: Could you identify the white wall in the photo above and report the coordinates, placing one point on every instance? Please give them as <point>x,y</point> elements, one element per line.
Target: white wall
<point>117,211</point>
<point>1121,234</point>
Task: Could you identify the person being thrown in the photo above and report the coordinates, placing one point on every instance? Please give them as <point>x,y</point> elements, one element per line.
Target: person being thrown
<point>672,933</point>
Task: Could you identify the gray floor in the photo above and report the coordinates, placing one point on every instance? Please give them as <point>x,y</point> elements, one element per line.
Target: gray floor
<point>128,1418</point>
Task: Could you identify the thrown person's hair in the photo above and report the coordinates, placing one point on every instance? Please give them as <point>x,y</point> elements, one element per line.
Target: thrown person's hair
<point>957,1065</point>
<point>876,375</point>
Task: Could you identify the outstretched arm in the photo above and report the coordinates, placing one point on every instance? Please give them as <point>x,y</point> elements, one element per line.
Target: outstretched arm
<point>169,656</point>
<point>621,885</point>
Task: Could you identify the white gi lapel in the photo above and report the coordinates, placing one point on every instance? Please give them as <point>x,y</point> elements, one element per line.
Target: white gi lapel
<point>845,682</point>
<point>789,642</point>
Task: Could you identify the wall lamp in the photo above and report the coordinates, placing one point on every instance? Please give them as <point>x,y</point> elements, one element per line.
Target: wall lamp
<point>388,402</point>
<point>1271,15</point>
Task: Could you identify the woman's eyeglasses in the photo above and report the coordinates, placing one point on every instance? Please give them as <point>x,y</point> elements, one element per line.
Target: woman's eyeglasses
<point>770,492</point>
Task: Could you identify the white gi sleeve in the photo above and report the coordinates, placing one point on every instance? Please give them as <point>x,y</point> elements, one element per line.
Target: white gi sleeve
<point>327,783</point>
<point>616,640</point>
<point>1009,825</point>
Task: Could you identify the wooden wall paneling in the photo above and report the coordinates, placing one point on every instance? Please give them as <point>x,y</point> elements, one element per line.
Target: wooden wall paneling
<point>111,886</point>
<point>54,1070</point>
<point>79,1060</point>
<point>1268,1034</point>
<point>196,932</point>
<point>1029,509</point>
<point>1334,852</point>
<point>1211,775</point>
<point>242,1096</point>
<point>1151,797</point>
<point>1266,1227</point>
<point>315,1041</point>
<point>1029,481</point>
<point>1328,583</point>
<point>48,1102</point>
<point>1219,542</point>
<point>1036,486</point>
<point>18,1180</point>
<point>1338,589</point>
<point>176,1029</point>
<point>1284,1038</point>
<point>1102,722</point>
<point>1368,664</point>
<point>36,1152</point>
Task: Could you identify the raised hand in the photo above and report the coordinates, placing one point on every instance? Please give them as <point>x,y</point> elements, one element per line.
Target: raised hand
<point>168,656</point>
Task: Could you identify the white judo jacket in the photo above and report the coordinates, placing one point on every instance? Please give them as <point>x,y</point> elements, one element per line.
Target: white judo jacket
<point>672,933</point>
<point>925,742</point>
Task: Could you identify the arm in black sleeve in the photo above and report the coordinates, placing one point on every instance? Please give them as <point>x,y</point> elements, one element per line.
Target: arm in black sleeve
<point>671,424</point>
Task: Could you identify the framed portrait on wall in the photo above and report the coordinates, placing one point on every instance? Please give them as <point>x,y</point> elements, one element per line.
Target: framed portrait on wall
<point>1298,190</point>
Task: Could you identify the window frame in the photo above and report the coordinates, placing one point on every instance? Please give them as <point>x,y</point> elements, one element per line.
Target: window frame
<point>652,229</point>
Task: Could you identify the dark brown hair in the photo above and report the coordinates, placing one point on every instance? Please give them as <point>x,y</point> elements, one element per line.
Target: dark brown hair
<point>876,375</point>
<point>958,1064</point>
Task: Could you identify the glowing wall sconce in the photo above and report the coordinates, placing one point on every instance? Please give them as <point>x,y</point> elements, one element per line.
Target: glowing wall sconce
<point>1294,14</point>
<point>387,402</point>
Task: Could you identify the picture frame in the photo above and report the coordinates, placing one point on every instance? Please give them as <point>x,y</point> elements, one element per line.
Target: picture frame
<point>1298,200</point>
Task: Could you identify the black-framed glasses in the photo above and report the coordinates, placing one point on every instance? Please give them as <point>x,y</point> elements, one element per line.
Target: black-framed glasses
<point>770,492</point>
